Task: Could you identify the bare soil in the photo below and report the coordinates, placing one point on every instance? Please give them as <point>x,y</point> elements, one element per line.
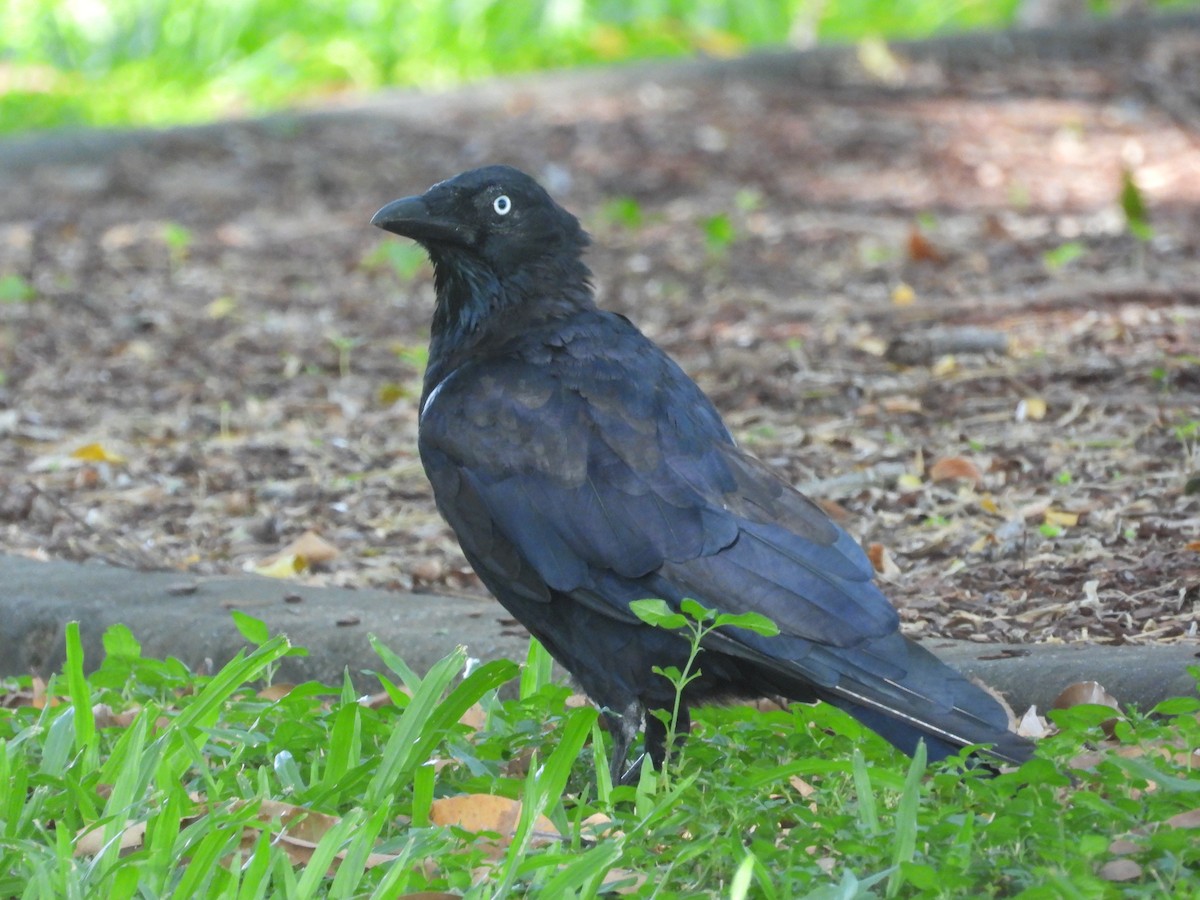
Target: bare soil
<point>862,262</point>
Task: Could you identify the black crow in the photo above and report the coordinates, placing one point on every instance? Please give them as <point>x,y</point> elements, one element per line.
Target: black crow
<point>582,469</point>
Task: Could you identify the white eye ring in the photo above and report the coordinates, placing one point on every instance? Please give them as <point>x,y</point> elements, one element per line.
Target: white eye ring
<point>502,205</point>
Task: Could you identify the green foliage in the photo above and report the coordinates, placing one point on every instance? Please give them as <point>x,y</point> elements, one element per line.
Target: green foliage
<point>719,233</point>
<point>798,803</point>
<point>623,211</point>
<point>699,622</point>
<point>1137,219</point>
<point>1063,254</point>
<point>15,289</point>
<point>403,259</point>
<point>158,61</point>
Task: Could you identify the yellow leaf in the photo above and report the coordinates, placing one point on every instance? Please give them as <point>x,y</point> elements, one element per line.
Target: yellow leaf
<point>909,482</point>
<point>903,295</point>
<point>872,345</point>
<point>97,453</point>
<point>946,365</point>
<point>1031,408</point>
<point>1061,517</point>
<point>878,60</point>
<point>988,505</point>
<point>282,566</point>
<point>221,307</point>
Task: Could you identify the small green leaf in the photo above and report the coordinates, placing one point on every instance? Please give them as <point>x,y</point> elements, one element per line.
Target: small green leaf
<point>252,629</point>
<point>1134,207</point>
<point>719,232</point>
<point>1063,254</point>
<point>1177,706</point>
<point>696,610</point>
<point>1050,530</point>
<point>15,289</point>
<point>623,211</point>
<point>656,612</point>
<point>119,641</point>
<point>750,621</point>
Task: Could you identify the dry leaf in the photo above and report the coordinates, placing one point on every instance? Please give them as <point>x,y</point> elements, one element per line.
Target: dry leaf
<point>308,550</point>
<point>1120,870</point>
<point>882,560</point>
<point>901,403</point>
<point>802,787</point>
<point>903,295</point>
<point>474,718</point>
<point>90,841</point>
<point>313,548</point>
<point>280,566</point>
<point>1031,408</point>
<point>1060,517</point>
<point>96,453</point>
<point>301,831</point>
<point>951,468</point>
<point>1082,692</point>
<point>488,812</point>
<point>1032,725</point>
<point>276,691</point>
<point>615,877</point>
<point>944,366</point>
<point>1189,819</point>
<point>599,825</point>
<point>921,249</point>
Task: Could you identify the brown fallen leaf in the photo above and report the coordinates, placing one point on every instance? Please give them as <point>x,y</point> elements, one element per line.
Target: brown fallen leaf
<point>1124,847</point>
<point>306,551</point>
<point>1189,819</point>
<point>882,560</point>
<point>802,787</point>
<point>955,468</point>
<point>921,249</point>
<point>1084,692</point>
<point>301,829</point>
<point>312,547</point>
<point>1120,870</point>
<point>276,691</point>
<point>488,812</point>
<point>90,840</point>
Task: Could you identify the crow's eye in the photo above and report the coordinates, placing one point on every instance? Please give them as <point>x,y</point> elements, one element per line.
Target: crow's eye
<point>502,205</point>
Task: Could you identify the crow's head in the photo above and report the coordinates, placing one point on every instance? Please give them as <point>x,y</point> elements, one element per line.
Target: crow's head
<point>496,215</point>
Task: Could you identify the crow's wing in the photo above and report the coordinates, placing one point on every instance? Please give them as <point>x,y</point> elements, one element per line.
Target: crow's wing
<point>587,452</point>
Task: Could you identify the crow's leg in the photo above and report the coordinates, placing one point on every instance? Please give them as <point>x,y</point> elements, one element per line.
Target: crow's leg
<point>656,734</point>
<point>623,727</point>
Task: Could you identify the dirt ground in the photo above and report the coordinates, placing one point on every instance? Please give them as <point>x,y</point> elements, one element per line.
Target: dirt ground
<point>907,280</point>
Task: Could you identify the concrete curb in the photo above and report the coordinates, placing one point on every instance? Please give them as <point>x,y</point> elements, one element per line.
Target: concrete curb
<point>174,614</point>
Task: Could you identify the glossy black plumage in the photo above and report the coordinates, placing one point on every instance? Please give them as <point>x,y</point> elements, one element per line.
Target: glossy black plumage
<point>581,469</point>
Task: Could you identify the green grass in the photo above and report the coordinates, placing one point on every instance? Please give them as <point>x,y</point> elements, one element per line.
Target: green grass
<point>189,795</point>
<point>123,62</point>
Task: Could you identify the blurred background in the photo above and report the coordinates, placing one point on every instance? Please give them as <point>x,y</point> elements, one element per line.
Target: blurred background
<point>155,62</point>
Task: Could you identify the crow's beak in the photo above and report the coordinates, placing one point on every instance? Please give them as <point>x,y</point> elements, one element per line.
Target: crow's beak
<point>411,217</point>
